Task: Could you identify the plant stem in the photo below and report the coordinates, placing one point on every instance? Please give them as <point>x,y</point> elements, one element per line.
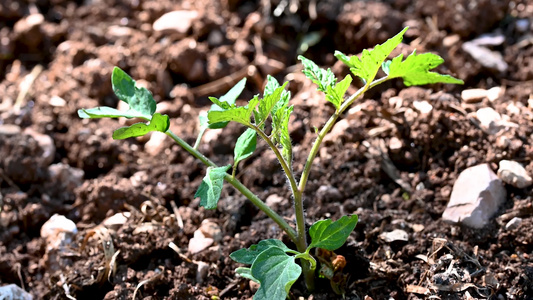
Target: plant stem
<point>301,243</point>
<point>240,187</point>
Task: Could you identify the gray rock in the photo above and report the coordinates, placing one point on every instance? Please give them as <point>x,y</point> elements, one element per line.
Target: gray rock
<point>395,235</point>
<point>514,174</point>
<point>179,21</point>
<point>477,193</point>
<point>513,224</point>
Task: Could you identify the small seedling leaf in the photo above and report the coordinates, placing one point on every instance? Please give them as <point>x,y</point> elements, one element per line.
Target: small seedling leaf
<point>108,112</point>
<point>267,103</point>
<point>271,86</point>
<point>276,272</point>
<point>139,100</point>
<point>414,70</point>
<point>285,139</point>
<point>158,123</point>
<point>331,235</point>
<point>245,146</point>
<point>248,256</point>
<point>211,187</point>
<point>335,94</point>
<point>240,114</point>
<point>246,273</point>
<point>323,78</point>
<point>368,65</point>
<point>225,102</point>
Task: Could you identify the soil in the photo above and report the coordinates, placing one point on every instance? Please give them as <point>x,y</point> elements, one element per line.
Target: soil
<point>55,163</point>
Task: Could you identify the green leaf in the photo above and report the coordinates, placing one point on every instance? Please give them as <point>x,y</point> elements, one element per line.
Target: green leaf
<point>285,139</point>
<point>335,94</point>
<point>368,65</point>
<point>225,102</point>
<point>241,114</point>
<point>211,187</point>
<point>108,112</point>
<point>414,70</point>
<point>139,100</point>
<point>245,146</point>
<point>248,256</point>
<point>331,235</point>
<point>271,86</point>
<point>267,104</point>
<point>246,273</point>
<point>158,123</point>
<point>323,78</point>
<point>276,272</point>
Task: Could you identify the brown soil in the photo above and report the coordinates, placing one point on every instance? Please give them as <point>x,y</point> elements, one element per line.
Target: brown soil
<point>78,42</point>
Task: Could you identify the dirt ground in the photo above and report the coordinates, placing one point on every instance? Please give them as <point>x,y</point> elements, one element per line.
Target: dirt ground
<point>56,56</point>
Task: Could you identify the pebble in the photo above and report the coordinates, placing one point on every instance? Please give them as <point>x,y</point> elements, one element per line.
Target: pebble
<point>9,130</point>
<point>473,95</point>
<point>495,93</point>
<point>58,232</point>
<point>57,101</point>
<point>13,291</point>
<point>156,143</point>
<point>117,220</point>
<point>178,21</point>
<point>423,106</point>
<point>199,242</point>
<point>273,200</point>
<point>69,177</point>
<point>211,229</point>
<point>513,223</point>
<point>486,57</point>
<point>490,120</point>
<point>328,193</point>
<point>395,235</point>
<point>513,173</point>
<point>476,196</point>
<point>395,144</point>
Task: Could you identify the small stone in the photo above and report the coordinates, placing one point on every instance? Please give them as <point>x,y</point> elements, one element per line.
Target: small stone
<point>69,177</point>
<point>451,40</point>
<point>395,144</point>
<point>58,232</point>
<point>179,21</point>
<point>476,196</point>
<point>201,272</point>
<point>57,101</point>
<point>211,229</point>
<point>9,130</point>
<point>513,223</point>
<point>28,30</point>
<point>156,143</point>
<point>328,193</point>
<point>273,200</point>
<point>199,242</point>
<point>495,93</point>
<point>423,106</point>
<point>489,119</point>
<point>117,220</point>
<point>473,95</point>
<point>395,235</point>
<point>513,173</point>
<point>12,291</point>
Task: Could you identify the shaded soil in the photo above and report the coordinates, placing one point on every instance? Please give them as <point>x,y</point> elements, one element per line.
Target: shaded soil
<point>45,147</point>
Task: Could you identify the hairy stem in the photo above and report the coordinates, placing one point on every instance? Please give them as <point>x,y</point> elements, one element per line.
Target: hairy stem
<point>240,187</point>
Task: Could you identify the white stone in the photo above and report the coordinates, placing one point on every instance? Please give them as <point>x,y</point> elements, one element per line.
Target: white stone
<point>395,235</point>
<point>273,200</point>
<point>156,144</point>
<point>473,95</point>
<point>56,224</point>
<point>57,101</point>
<point>489,119</point>
<point>495,93</point>
<point>211,229</point>
<point>46,143</point>
<point>513,224</point>
<point>14,292</point>
<point>476,196</point>
<point>199,242</point>
<point>179,21</point>
<point>513,173</point>
<point>9,130</point>
<point>423,106</point>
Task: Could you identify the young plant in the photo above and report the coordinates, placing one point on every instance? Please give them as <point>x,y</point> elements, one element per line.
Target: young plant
<point>272,264</point>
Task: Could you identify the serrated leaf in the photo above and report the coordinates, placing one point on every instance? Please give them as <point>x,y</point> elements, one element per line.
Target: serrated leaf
<point>284,137</point>
<point>267,104</point>
<point>226,102</point>
<point>158,123</point>
<point>248,256</point>
<point>276,272</point>
<point>211,187</point>
<point>240,114</point>
<point>245,273</point>
<point>323,78</point>
<point>414,70</point>
<point>271,86</point>
<point>245,145</point>
<point>335,94</point>
<point>139,100</point>
<point>368,65</point>
<point>331,235</point>
<point>108,112</point>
